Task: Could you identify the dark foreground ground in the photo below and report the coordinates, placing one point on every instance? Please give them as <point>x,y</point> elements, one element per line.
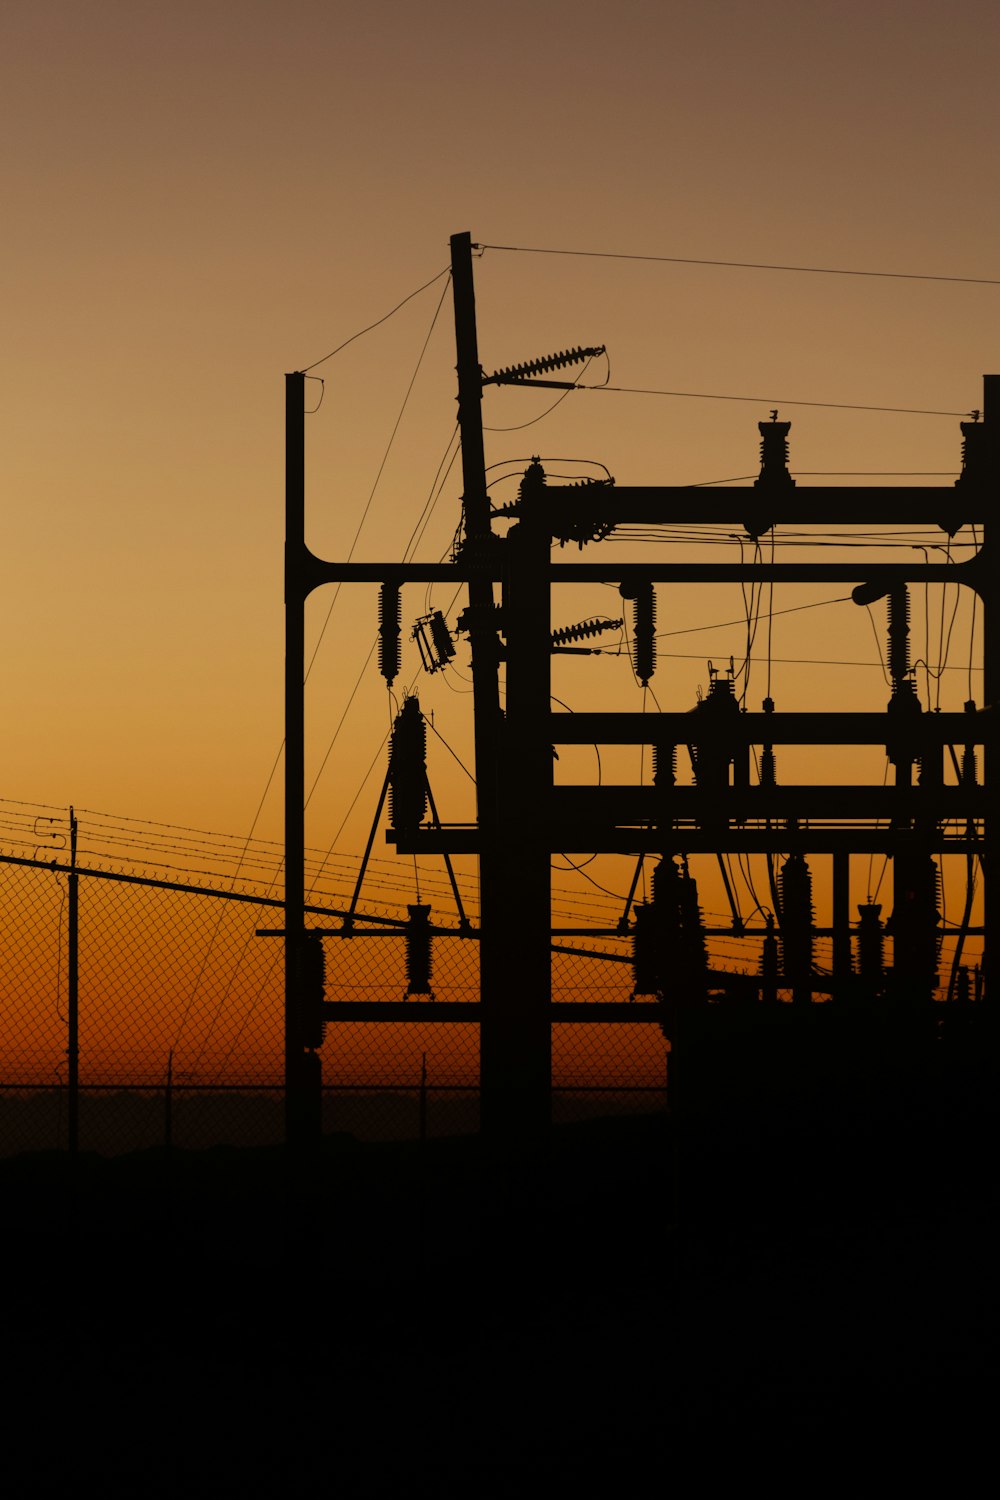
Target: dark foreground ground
<point>791,1298</point>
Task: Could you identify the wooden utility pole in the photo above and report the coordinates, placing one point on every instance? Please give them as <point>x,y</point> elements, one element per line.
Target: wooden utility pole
<point>515,971</point>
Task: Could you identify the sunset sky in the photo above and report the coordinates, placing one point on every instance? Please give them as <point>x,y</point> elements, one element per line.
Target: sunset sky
<point>200,197</point>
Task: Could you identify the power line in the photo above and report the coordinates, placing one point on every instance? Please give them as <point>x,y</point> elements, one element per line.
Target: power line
<point>793,609</point>
<point>803,661</point>
<point>743,265</point>
<point>378,322</point>
<point>378,476</point>
<point>769,401</point>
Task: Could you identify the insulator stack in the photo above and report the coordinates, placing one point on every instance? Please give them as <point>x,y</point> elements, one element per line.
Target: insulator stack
<point>388,631</point>
<point>714,756</point>
<point>694,931</point>
<point>645,956</point>
<point>769,965</point>
<point>773,463</point>
<point>974,445</point>
<point>543,365</point>
<point>682,950</point>
<point>643,628</point>
<point>721,688</point>
<point>583,631</point>
<point>408,768</point>
<point>434,641</point>
<point>871,946</point>
<point>969,768</point>
<point>913,925</point>
<point>418,950</point>
<point>441,636</point>
<point>768,775</point>
<point>664,765</point>
<point>533,481</point>
<point>980,455</point>
<point>312,990</point>
<point>795,882</point>
<point>899,635</point>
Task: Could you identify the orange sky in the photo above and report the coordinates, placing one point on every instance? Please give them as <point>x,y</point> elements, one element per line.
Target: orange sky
<point>199,197</point>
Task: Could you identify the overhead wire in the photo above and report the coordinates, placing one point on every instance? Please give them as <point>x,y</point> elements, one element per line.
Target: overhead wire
<point>378,321</point>
<point>772,401</point>
<point>743,265</point>
<point>378,476</point>
<point>364,515</point>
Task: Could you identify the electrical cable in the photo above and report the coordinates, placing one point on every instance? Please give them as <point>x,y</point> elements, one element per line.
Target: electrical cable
<point>450,751</point>
<point>520,426</point>
<point>772,401</point>
<point>743,265</point>
<point>329,613</point>
<point>725,624</point>
<point>340,724</point>
<point>378,476</point>
<point>378,322</point>
<point>878,644</point>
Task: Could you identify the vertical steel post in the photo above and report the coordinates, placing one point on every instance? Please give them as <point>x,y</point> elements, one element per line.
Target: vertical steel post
<point>296,1064</point>
<point>842,920</point>
<point>73,998</point>
<point>991,686</point>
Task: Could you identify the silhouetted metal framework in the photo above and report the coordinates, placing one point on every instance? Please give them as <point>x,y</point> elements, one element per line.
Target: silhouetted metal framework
<point>523,818</point>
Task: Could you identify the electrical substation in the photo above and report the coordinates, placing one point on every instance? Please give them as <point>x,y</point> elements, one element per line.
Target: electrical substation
<point>715,793</point>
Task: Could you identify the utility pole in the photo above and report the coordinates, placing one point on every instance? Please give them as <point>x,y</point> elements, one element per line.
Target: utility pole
<point>73,1000</point>
<point>303,1076</point>
<point>515,974</point>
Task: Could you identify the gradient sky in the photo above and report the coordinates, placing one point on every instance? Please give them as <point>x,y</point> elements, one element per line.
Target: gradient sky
<point>199,197</point>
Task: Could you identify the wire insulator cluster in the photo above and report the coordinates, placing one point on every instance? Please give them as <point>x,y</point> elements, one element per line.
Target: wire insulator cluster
<point>643,628</point>
<point>969,767</point>
<point>645,955</point>
<point>418,950</point>
<point>979,454</point>
<point>769,964</point>
<point>774,455</point>
<point>434,641</point>
<point>388,631</point>
<point>871,946</point>
<point>768,771</point>
<point>683,952</point>
<point>664,765</point>
<point>899,633</point>
<point>795,883</point>
<point>914,922</point>
<point>541,366</point>
<point>583,631</point>
<point>408,767</point>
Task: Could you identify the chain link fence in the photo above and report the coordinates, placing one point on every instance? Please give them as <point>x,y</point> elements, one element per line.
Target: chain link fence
<point>186,984</point>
